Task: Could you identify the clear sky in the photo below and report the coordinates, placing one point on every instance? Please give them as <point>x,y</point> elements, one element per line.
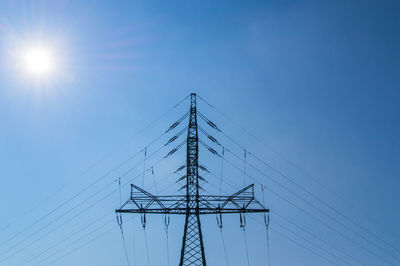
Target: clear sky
<point>316,83</point>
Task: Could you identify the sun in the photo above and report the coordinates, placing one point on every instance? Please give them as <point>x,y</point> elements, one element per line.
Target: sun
<point>38,61</point>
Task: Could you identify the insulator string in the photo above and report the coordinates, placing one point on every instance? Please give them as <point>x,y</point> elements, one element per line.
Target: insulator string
<point>222,166</point>
<point>154,179</point>
<point>245,164</point>
<point>120,193</point>
<point>144,165</point>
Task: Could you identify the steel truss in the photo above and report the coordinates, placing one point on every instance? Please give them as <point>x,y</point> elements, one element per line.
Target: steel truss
<point>192,204</point>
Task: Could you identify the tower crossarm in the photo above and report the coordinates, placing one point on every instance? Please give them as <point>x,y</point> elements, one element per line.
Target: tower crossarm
<point>142,201</point>
<point>242,201</point>
<point>192,204</point>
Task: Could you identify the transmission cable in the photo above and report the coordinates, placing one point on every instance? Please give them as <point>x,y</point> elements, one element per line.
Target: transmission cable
<point>154,179</point>
<point>304,229</point>
<point>83,245</point>
<point>312,205</point>
<point>74,242</point>
<point>384,227</point>
<point>325,203</point>
<point>91,206</point>
<point>144,165</point>
<point>311,194</point>
<point>308,202</point>
<point>315,207</point>
<point>224,246</point>
<point>69,200</point>
<point>309,214</point>
<point>57,243</point>
<point>54,220</point>
<point>222,166</point>
<point>246,246</point>
<point>166,226</point>
<point>62,188</point>
<point>81,192</point>
<point>103,199</point>
<point>147,246</point>
<point>266,222</point>
<point>298,236</point>
<point>133,242</point>
<point>119,221</point>
<point>312,243</point>
<point>301,245</point>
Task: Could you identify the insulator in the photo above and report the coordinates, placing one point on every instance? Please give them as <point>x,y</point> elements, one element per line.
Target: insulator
<point>174,125</point>
<point>180,168</point>
<point>181,178</point>
<point>119,219</point>
<point>143,220</point>
<point>213,125</point>
<point>171,152</point>
<point>214,151</point>
<point>219,220</point>
<point>213,139</point>
<point>202,179</point>
<point>171,140</point>
<point>266,221</point>
<point>203,168</point>
<point>166,222</point>
<point>242,221</point>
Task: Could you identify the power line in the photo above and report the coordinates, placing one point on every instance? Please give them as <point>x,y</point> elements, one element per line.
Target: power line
<point>301,245</point>
<point>304,229</point>
<point>296,233</point>
<point>126,183</point>
<point>142,202</point>
<point>307,213</point>
<point>75,196</point>
<point>301,188</point>
<point>57,243</point>
<point>318,182</point>
<point>81,246</point>
<point>314,206</point>
<point>59,217</point>
<point>62,188</point>
<point>289,190</point>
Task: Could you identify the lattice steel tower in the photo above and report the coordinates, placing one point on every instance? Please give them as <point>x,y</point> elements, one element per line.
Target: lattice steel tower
<point>192,204</point>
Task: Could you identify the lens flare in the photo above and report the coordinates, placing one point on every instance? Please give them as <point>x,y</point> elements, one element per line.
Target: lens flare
<point>38,61</point>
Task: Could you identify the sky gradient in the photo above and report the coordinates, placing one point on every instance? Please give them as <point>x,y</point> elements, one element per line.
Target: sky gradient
<point>316,83</point>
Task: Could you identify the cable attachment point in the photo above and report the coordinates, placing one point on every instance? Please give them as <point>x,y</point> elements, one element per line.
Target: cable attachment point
<point>219,218</point>
<point>119,219</point>
<point>143,220</point>
<point>266,221</point>
<point>166,223</point>
<point>242,221</point>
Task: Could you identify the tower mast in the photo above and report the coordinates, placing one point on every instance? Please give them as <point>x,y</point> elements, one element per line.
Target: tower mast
<point>192,204</point>
<point>192,252</point>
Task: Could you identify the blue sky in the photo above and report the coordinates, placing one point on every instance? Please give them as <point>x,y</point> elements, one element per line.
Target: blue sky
<point>316,81</point>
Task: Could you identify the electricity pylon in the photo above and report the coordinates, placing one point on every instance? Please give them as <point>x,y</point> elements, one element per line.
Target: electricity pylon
<point>192,204</point>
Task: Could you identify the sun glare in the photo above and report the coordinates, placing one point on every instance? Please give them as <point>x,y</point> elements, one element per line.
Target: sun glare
<point>38,61</point>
